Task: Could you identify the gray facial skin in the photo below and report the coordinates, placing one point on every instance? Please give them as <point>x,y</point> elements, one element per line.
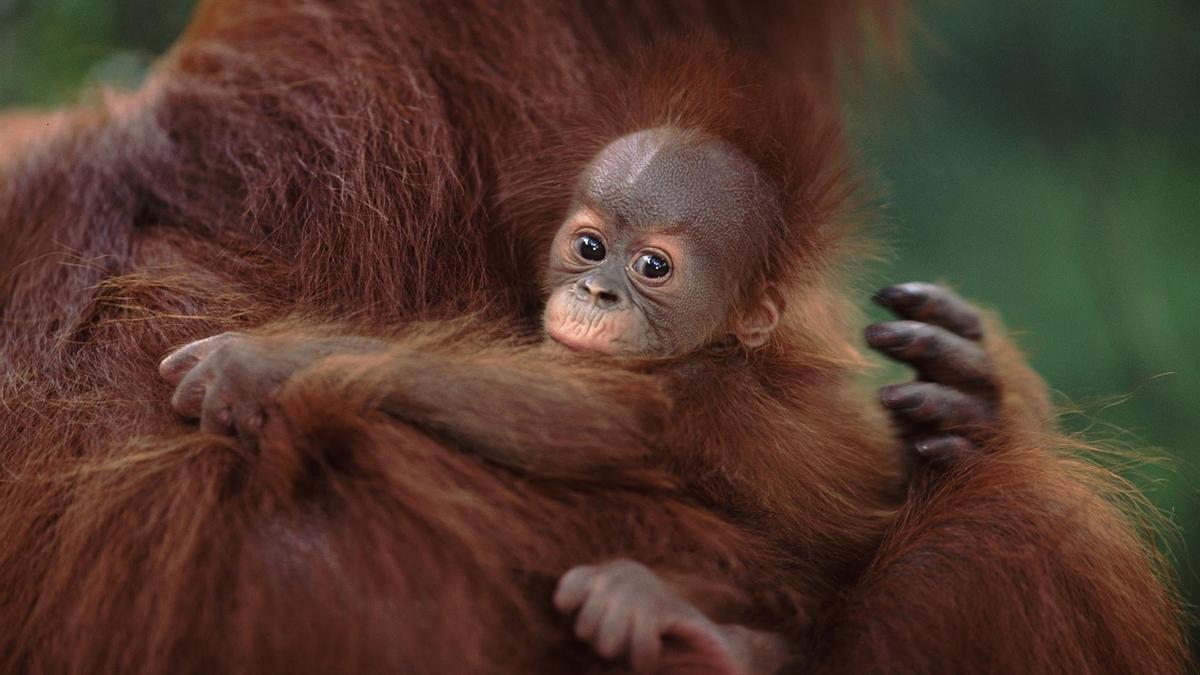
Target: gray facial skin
<point>663,195</point>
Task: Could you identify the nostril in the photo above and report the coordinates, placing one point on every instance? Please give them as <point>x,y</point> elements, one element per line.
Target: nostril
<point>607,297</point>
<point>598,292</point>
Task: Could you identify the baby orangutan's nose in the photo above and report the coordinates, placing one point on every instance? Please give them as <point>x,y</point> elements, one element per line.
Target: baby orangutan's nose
<point>600,292</point>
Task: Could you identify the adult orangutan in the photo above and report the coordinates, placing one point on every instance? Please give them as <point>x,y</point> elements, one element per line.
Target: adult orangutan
<point>351,168</point>
<point>673,253</point>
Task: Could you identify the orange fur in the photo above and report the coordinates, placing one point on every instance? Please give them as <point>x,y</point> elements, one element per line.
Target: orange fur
<point>1029,558</point>
<point>370,164</point>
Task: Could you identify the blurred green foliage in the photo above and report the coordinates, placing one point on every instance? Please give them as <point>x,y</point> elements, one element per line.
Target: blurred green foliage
<point>1043,158</point>
<point>49,48</point>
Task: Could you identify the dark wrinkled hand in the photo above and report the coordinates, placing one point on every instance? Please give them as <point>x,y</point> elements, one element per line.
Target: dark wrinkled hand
<point>952,405</point>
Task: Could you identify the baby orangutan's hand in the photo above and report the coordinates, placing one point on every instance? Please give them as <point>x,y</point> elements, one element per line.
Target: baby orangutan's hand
<point>626,611</point>
<point>229,381</point>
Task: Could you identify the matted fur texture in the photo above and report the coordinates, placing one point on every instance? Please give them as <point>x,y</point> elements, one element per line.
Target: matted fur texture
<point>368,164</point>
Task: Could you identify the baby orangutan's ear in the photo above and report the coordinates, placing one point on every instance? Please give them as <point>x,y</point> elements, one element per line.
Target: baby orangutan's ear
<point>754,324</point>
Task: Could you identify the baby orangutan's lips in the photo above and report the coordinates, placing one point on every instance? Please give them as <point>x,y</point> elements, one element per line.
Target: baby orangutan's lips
<point>581,327</point>
<point>575,343</point>
<point>584,336</point>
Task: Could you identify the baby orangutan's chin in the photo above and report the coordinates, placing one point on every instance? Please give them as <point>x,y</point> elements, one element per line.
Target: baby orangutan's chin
<point>582,327</point>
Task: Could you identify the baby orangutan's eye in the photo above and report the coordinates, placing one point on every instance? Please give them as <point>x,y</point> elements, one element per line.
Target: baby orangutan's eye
<point>652,266</point>
<point>590,247</point>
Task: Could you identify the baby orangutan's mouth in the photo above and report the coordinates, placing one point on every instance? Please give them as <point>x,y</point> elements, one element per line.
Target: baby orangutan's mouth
<point>573,343</point>
<point>583,337</point>
<point>582,327</point>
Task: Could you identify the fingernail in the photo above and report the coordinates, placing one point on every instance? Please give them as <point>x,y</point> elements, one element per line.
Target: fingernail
<point>921,448</point>
<point>895,399</point>
<point>896,296</point>
<point>887,337</point>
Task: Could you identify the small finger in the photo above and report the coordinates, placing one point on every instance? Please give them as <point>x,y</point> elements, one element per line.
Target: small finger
<point>645,644</point>
<point>216,415</point>
<point>934,304</point>
<point>929,403</point>
<point>945,449</point>
<point>573,588</point>
<point>248,419</point>
<point>613,632</point>
<point>188,398</point>
<point>936,353</point>
<point>588,621</point>
<point>178,363</point>
<point>698,635</point>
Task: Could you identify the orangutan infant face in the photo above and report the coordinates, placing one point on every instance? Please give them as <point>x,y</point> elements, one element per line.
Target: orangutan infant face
<point>658,243</point>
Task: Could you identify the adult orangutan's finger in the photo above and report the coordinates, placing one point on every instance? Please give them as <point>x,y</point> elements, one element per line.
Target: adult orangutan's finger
<point>927,403</point>
<point>936,353</point>
<point>930,303</point>
<point>945,449</point>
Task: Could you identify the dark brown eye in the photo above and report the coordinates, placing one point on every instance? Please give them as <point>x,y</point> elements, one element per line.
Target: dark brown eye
<point>590,247</point>
<point>652,266</point>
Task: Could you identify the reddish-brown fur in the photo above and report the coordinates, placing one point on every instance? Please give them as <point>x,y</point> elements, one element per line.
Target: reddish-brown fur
<point>369,164</point>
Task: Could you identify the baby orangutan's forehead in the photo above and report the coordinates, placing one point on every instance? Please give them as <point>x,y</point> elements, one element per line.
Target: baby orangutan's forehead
<point>672,177</point>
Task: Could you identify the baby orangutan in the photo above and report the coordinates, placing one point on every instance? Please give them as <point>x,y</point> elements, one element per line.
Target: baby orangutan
<point>664,254</point>
<point>670,258</point>
<point>665,240</point>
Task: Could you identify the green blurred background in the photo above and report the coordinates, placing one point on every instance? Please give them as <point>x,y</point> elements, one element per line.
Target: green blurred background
<point>1042,157</point>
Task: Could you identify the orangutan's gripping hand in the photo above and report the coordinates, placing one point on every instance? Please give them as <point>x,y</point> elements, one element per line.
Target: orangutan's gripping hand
<point>228,381</point>
<point>624,610</point>
<point>952,406</point>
